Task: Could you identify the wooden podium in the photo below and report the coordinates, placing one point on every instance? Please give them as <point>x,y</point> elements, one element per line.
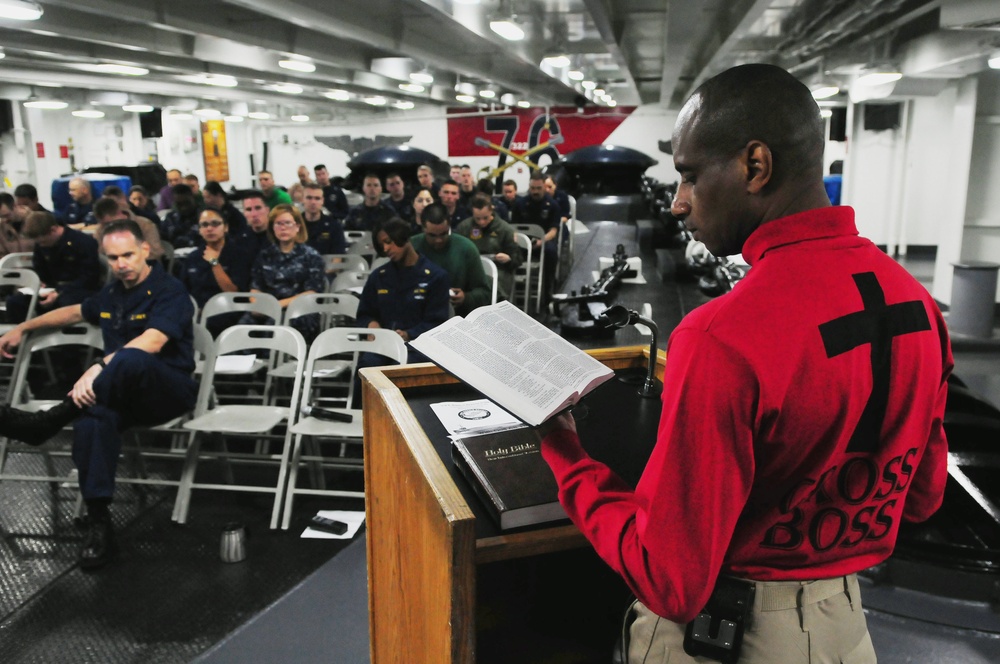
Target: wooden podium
<point>423,550</point>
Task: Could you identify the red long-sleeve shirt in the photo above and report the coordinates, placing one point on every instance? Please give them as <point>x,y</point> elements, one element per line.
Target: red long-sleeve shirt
<point>801,422</point>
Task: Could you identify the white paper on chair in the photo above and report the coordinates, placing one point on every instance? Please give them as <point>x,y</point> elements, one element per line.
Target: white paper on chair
<point>352,519</point>
<point>238,364</point>
<point>184,251</point>
<point>42,292</point>
<point>474,418</point>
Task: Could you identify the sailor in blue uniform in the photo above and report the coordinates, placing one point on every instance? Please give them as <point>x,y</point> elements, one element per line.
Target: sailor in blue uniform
<point>371,213</point>
<point>325,233</point>
<point>409,294</point>
<point>65,260</point>
<point>143,378</point>
<point>81,210</point>
<point>219,264</point>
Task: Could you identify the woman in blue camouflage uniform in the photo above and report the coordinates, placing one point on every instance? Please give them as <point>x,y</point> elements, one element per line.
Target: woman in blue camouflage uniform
<point>289,267</point>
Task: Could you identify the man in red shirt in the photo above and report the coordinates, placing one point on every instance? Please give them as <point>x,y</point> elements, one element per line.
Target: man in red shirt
<point>802,412</point>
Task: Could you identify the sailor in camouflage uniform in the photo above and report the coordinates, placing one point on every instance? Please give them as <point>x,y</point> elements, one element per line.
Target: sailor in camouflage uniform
<point>289,267</point>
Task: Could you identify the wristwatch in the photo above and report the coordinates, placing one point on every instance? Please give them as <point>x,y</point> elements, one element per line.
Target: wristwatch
<point>213,262</point>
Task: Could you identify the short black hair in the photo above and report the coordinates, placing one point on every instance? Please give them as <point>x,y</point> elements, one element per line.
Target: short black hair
<point>182,190</point>
<point>480,201</point>
<point>397,230</point>
<point>112,190</point>
<point>105,206</point>
<point>139,188</point>
<point>214,188</point>
<point>319,167</point>
<point>26,191</point>
<point>435,213</point>
<point>536,175</point>
<point>6,199</point>
<point>765,103</point>
<point>253,193</point>
<point>447,182</point>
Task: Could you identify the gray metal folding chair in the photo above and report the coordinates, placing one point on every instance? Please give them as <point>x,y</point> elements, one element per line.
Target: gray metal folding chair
<point>493,273</point>
<point>75,335</point>
<point>522,274</point>
<point>242,420</point>
<point>535,260</point>
<point>335,341</point>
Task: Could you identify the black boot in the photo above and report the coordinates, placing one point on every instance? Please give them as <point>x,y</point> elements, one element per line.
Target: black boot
<point>36,428</point>
<point>99,546</point>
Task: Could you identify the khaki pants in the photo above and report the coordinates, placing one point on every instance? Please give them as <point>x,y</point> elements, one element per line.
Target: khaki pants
<point>793,622</point>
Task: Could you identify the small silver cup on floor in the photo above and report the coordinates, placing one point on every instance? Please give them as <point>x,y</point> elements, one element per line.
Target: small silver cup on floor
<point>233,547</point>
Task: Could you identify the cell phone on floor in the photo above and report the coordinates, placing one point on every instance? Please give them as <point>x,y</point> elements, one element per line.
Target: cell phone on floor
<point>328,525</point>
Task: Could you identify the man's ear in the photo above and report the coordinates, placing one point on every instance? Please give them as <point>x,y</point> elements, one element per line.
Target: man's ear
<point>759,166</point>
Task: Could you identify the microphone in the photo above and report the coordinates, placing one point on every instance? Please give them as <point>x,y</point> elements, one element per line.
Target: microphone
<point>619,316</point>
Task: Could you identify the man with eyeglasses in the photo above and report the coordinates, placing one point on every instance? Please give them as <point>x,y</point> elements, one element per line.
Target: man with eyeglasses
<point>142,378</point>
<point>219,265</point>
<point>254,236</point>
<point>458,256</point>
<point>325,234</point>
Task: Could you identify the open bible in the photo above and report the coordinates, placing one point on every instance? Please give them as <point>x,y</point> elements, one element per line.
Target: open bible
<point>514,360</point>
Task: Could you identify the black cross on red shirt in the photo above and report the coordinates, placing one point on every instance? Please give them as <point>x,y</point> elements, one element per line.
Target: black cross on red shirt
<point>876,324</point>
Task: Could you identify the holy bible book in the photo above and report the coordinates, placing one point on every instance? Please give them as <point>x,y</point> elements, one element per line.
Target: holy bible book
<point>509,475</point>
<point>514,360</point>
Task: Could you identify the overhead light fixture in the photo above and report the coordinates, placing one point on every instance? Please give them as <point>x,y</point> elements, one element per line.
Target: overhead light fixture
<point>508,99</point>
<point>218,80</point>
<point>46,104</point>
<point>466,99</point>
<point>508,29</point>
<point>558,61</point>
<point>20,10</point>
<point>422,76</point>
<point>574,75</point>
<point>825,91</point>
<point>524,104</point>
<point>411,87</point>
<point>297,65</point>
<point>208,112</point>
<point>588,85</point>
<point>2,54</point>
<point>287,88</point>
<point>233,118</point>
<point>375,101</point>
<point>487,93</point>
<point>299,118</point>
<point>612,102</point>
<point>90,113</point>
<point>599,92</point>
<point>137,108</point>
<point>124,70</point>
<point>404,105</point>
<point>337,95</point>
<point>993,62</point>
<point>258,115</point>
<point>181,116</point>
<point>879,75</point>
